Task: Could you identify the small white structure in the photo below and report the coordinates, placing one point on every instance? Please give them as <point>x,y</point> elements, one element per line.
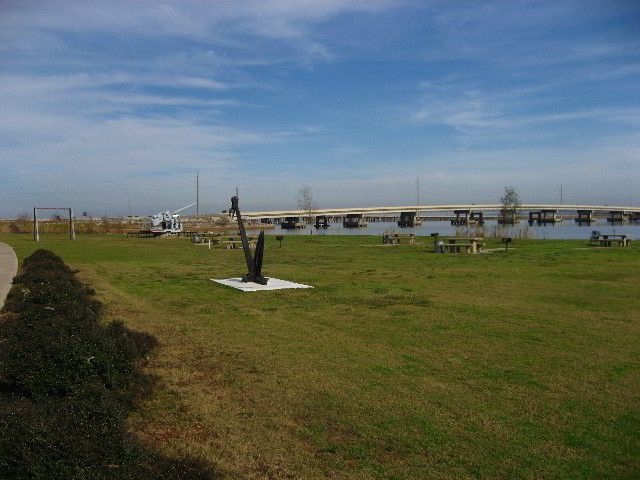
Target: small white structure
<point>168,221</point>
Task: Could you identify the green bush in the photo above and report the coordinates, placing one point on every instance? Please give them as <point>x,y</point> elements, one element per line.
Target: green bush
<point>56,344</point>
<point>67,382</point>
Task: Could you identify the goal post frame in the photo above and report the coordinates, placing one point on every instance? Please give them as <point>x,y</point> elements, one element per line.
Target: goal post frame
<point>36,233</point>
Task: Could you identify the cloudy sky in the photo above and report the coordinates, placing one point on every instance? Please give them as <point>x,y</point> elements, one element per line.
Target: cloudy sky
<point>109,103</point>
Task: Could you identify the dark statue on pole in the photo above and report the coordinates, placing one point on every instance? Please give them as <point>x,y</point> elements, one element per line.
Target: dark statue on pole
<point>254,264</point>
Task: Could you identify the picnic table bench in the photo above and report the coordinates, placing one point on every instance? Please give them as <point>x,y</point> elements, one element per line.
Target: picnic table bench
<point>205,240</point>
<point>206,237</point>
<point>393,238</point>
<point>145,233</point>
<point>462,245</point>
<point>235,241</point>
<point>229,244</point>
<point>223,240</point>
<point>611,240</point>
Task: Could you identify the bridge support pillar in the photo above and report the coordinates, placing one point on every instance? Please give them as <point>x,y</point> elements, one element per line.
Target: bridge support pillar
<point>322,221</point>
<point>354,220</point>
<point>616,216</point>
<point>462,217</point>
<point>476,217</point>
<point>409,219</point>
<point>542,217</point>
<point>585,216</point>
<point>291,223</point>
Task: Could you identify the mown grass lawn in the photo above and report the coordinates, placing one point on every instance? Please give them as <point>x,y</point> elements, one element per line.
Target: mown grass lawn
<point>400,363</point>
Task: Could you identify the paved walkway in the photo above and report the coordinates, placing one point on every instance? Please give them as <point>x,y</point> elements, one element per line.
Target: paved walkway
<point>8,269</point>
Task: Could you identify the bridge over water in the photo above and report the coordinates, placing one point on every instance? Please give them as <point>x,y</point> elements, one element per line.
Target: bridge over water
<point>420,209</point>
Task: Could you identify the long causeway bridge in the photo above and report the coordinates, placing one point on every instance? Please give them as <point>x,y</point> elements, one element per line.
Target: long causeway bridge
<point>459,214</point>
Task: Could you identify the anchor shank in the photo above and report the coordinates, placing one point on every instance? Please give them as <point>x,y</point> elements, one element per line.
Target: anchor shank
<point>254,265</point>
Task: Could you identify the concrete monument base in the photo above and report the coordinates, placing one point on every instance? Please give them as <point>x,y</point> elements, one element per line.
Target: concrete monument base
<point>272,284</point>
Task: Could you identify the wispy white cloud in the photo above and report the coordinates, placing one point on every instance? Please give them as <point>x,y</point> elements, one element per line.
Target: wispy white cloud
<point>474,111</point>
<point>224,26</point>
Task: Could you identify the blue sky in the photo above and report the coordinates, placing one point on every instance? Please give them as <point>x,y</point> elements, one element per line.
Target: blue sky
<point>109,102</point>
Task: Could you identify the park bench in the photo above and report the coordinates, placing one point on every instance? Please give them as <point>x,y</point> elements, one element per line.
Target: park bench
<point>595,235</point>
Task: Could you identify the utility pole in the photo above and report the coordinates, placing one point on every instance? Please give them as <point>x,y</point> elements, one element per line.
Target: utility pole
<point>129,207</point>
<point>197,193</point>
<point>561,194</point>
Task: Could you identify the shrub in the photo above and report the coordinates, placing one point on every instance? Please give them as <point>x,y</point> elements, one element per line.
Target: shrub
<point>67,383</point>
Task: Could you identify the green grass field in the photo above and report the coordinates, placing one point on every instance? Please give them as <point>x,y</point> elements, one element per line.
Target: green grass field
<point>400,363</point>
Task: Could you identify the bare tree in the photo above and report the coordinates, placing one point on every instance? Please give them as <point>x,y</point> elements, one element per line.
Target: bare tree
<point>510,206</point>
<point>23,222</point>
<point>306,201</point>
<point>105,224</point>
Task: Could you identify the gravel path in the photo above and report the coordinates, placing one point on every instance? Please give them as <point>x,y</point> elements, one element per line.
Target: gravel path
<point>8,269</point>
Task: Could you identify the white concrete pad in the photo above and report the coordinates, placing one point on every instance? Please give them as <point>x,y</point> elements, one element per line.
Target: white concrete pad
<point>272,284</point>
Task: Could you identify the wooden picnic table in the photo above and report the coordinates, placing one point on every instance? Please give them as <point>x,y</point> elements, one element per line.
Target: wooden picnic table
<point>238,237</point>
<point>462,244</point>
<point>206,237</point>
<point>223,240</point>
<point>399,237</point>
<point>609,240</point>
<point>145,233</point>
<point>235,241</point>
<point>229,244</point>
